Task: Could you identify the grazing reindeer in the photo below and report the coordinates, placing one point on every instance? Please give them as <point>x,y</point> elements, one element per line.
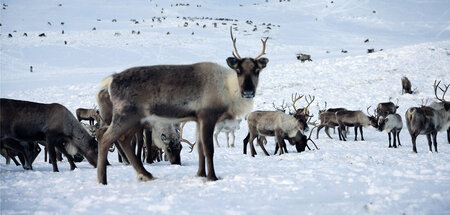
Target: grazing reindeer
<point>428,120</point>
<point>166,136</point>
<point>201,92</point>
<point>354,118</point>
<point>392,123</point>
<point>278,124</point>
<point>52,123</point>
<point>385,108</point>
<point>273,123</point>
<point>227,126</point>
<point>25,151</point>
<point>88,114</point>
<point>406,86</point>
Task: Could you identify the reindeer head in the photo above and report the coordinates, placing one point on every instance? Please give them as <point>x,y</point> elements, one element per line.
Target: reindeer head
<point>247,69</point>
<point>373,119</point>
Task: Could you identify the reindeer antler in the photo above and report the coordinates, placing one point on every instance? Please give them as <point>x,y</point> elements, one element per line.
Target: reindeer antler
<point>234,44</point>
<point>309,138</point>
<point>311,100</point>
<point>264,48</point>
<point>294,99</point>
<point>282,107</point>
<point>191,145</point>
<point>435,86</point>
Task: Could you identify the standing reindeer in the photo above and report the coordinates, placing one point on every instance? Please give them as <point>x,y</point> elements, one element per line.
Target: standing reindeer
<point>201,92</point>
<point>227,126</point>
<point>354,118</point>
<point>428,120</point>
<point>392,123</point>
<point>327,119</point>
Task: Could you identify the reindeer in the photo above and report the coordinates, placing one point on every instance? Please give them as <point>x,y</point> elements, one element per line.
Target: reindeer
<point>226,126</point>
<point>277,123</point>
<point>24,150</point>
<point>392,123</point>
<point>202,92</point>
<point>327,119</point>
<point>354,118</point>
<point>88,114</point>
<point>428,120</point>
<point>406,86</point>
<point>385,108</point>
<point>29,121</point>
<point>166,136</point>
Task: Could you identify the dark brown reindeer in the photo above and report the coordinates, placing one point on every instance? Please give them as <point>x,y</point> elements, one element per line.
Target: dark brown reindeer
<point>202,92</point>
<point>92,115</point>
<point>406,85</point>
<point>25,151</point>
<point>356,119</point>
<point>428,120</point>
<point>385,108</point>
<point>53,123</point>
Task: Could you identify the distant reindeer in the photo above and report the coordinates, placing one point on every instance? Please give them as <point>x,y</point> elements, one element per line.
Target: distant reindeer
<point>53,123</point>
<point>354,118</point>
<point>201,92</point>
<point>88,114</point>
<point>392,124</point>
<point>406,85</point>
<point>428,120</point>
<point>303,57</point>
<point>227,126</point>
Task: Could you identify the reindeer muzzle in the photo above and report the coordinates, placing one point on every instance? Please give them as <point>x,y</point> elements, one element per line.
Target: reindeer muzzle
<point>248,94</point>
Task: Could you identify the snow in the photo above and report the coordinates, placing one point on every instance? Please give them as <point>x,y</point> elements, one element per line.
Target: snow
<point>353,177</point>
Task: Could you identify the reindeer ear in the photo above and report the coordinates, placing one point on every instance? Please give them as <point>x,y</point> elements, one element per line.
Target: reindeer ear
<point>262,62</point>
<point>232,62</point>
<point>164,138</point>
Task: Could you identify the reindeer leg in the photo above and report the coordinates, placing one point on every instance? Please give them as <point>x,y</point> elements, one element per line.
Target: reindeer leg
<point>318,129</point>
<point>245,142</point>
<point>216,134</point>
<point>260,143</point>
<point>356,133</point>
<point>429,142</point>
<point>361,131</point>
<point>395,137</point>
<point>233,138</point>
<point>398,138</point>
<point>252,147</point>
<point>51,141</point>
<point>280,141</point>
<point>201,172</point>
<point>68,156</point>
<point>228,139</point>
<point>139,143</point>
<point>327,132</point>
<point>276,148</point>
<point>389,136</point>
<point>434,141</point>
<point>207,124</point>
<point>413,139</point>
<point>448,135</point>
<point>142,173</point>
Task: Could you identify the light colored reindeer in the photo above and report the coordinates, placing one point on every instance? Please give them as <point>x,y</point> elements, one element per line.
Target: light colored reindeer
<point>227,126</point>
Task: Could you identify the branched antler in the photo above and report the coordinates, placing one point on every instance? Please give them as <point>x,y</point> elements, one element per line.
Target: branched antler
<point>235,53</point>
<point>308,103</point>
<point>294,99</point>
<point>264,48</point>
<point>436,86</point>
<point>282,107</point>
<point>191,145</point>
<point>309,138</point>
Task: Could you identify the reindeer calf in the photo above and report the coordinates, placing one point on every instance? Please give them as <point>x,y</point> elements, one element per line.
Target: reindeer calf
<point>227,126</point>
<point>88,114</point>
<point>392,124</point>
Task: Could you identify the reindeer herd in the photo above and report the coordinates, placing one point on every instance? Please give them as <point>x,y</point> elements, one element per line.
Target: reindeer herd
<point>142,112</point>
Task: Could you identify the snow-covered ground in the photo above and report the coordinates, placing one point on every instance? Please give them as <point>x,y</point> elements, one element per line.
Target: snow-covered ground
<point>340,178</point>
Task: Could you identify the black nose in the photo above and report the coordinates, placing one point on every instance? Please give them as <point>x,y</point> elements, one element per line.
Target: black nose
<point>248,94</point>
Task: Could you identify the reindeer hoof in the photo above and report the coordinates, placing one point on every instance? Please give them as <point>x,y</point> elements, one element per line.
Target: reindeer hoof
<point>211,178</point>
<point>200,174</point>
<point>141,177</point>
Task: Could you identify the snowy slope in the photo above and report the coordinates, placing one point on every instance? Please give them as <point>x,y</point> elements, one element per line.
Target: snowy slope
<point>340,178</point>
